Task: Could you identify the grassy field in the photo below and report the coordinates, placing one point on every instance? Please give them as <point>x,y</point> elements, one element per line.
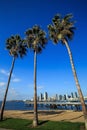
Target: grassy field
<point>22,124</point>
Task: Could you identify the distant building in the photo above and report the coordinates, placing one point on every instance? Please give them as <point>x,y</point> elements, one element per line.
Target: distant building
<point>38,98</point>
<point>67,97</point>
<point>56,97</point>
<point>60,97</point>
<point>45,96</point>
<point>72,95</point>
<point>64,97</point>
<point>41,97</point>
<point>76,95</point>
<point>49,98</point>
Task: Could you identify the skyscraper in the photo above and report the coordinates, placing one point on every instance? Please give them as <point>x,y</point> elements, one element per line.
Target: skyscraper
<point>41,97</point>
<point>60,97</point>
<point>76,95</point>
<point>72,96</point>
<point>56,97</point>
<point>45,96</point>
<point>64,97</point>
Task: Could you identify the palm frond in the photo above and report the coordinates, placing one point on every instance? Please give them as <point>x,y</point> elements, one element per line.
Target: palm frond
<point>68,17</point>
<point>62,28</point>
<point>15,45</point>
<point>37,40</point>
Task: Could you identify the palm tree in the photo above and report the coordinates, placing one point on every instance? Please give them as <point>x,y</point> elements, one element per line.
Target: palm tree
<point>36,40</point>
<point>62,29</point>
<point>16,47</point>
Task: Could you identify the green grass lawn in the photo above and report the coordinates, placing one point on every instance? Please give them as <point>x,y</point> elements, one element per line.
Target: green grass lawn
<point>22,124</point>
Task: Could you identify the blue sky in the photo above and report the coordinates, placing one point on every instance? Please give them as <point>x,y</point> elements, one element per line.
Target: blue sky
<point>54,73</point>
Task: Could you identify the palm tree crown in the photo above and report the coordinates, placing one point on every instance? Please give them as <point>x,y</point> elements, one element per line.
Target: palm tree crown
<point>62,28</point>
<point>36,38</point>
<point>16,46</point>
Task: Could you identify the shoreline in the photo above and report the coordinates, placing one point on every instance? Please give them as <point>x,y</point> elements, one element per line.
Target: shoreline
<point>53,115</point>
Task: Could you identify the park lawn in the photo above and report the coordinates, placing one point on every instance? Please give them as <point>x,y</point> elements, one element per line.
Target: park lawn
<point>22,124</point>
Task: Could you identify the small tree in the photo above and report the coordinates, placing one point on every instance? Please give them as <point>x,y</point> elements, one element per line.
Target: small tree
<point>62,30</point>
<point>36,40</point>
<point>16,47</point>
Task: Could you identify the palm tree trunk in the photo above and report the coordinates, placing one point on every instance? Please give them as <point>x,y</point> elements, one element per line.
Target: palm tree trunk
<point>77,84</point>
<point>4,100</point>
<point>35,121</point>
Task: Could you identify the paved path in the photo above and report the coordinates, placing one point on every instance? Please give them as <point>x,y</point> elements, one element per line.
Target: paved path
<point>4,129</point>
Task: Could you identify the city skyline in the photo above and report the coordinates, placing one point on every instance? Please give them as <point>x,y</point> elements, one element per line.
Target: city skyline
<point>54,72</point>
<point>46,97</point>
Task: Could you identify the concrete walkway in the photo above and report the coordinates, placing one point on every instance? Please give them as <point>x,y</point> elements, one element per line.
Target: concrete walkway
<point>4,129</point>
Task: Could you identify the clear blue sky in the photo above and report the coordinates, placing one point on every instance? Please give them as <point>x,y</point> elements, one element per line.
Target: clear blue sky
<point>54,73</point>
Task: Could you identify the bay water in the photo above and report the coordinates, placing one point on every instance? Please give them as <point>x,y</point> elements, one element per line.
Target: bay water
<point>21,105</point>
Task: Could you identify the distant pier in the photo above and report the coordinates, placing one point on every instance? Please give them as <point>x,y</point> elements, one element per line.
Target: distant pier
<point>55,102</point>
<point>76,105</point>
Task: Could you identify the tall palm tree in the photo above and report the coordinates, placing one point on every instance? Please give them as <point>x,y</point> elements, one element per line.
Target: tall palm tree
<point>36,41</point>
<point>62,29</point>
<point>16,47</point>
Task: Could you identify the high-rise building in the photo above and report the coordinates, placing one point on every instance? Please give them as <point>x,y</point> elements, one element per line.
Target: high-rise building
<point>60,97</point>
<point>56,97</point>
<point>72,95</point>
<point>45,96</point>
<point>41,97</point>
<point>76,95</point>
<point>64,97</point>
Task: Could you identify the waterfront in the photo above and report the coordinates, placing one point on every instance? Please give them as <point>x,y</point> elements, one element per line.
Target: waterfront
<point>19,109</point>
<point>21,105</point>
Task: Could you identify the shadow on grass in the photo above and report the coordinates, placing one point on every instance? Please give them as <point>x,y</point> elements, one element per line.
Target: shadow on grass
<point>21,124</point>
<point>5,119</point>
<point>42,122</point>
<point>82,127</point>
